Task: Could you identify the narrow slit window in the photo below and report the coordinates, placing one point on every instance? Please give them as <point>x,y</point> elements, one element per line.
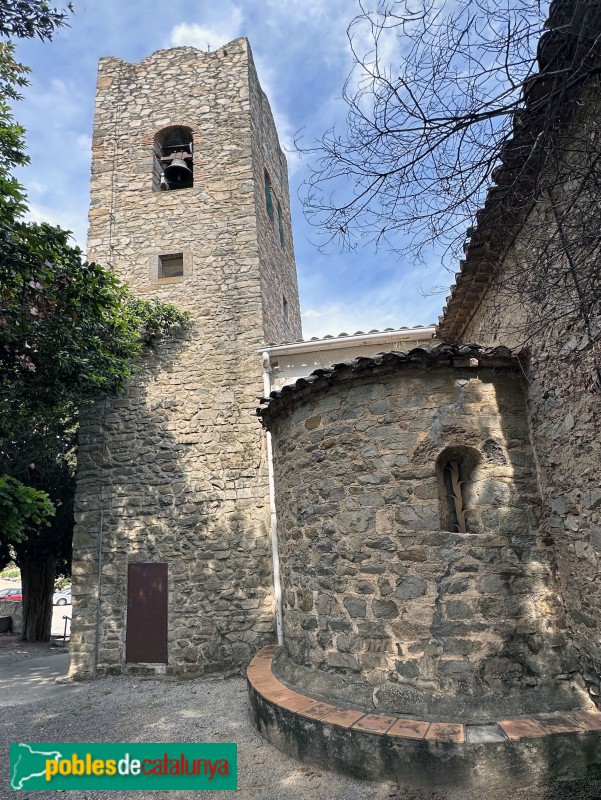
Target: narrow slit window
<point>454,491</point>
<point>285,308</point>
<point>268,195</point>
<point>281,224</point>
<point>455,468</point>
<point>171,266</point>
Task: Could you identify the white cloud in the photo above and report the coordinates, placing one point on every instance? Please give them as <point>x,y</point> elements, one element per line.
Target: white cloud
<point>285,128</point>
<point>382,57</point>
<point>332,11</point>
<point>53,105</point>
<point>37,187</point>
<point>213,36</point>
<point>208,37</point>
<point>392,297</point>
<point>372,312</point>
<point>70,221</point>
<point>318,29</point>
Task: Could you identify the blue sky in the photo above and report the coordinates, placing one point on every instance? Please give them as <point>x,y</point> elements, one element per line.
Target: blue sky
<point>302,57</point>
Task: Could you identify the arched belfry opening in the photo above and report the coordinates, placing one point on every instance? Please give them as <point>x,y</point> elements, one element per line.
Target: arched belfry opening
<point>454,468</point>
<point>174,159</point>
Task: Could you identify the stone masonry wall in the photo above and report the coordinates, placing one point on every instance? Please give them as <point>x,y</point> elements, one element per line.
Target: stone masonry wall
<point>565,419</point>
<point>175,471</point>
<point>278,269</point>
<point>381,605</point>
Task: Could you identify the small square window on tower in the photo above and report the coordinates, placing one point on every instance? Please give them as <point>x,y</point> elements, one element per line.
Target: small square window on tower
<point>171,266</point>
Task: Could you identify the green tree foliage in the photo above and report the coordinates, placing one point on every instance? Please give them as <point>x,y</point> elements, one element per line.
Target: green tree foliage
<point>39,450</point>
<point>12,148</point>
<point>70,332</point>
<point>26,19</point>
<point>23,510</point>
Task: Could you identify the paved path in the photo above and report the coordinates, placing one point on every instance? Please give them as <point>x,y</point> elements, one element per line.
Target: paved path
<point>32,679</point>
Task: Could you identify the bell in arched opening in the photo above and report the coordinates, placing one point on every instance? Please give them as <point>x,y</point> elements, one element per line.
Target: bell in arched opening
<point>178,174</point>
<point>174,151</point>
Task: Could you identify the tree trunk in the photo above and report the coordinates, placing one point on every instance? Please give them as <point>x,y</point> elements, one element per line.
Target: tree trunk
<point>37,579</point>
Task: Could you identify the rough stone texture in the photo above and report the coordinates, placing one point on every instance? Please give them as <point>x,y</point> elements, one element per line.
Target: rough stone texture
<point>175,471</point>
<point>532,276</point>
<point>566,431</point>
<point>376,595</point>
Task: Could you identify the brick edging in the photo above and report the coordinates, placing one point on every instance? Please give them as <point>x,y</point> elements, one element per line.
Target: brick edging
<point>535,726</point>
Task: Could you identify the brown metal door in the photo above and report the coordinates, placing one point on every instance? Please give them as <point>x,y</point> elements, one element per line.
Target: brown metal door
<point>146,636</point>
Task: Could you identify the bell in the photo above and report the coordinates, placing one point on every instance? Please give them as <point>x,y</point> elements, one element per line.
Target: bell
<point>178,173</point>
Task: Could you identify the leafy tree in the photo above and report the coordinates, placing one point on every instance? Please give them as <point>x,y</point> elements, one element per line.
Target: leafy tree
<point>83,345</point>
<point>69,329</point>
<point>69,332</point>
<point>26,19</point>
<point>22,509</point>
<point>40,451</point>
<point>30,522</point>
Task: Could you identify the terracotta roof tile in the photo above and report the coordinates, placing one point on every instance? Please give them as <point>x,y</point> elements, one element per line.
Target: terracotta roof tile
<point>443,355</point>
<point>343,335</point>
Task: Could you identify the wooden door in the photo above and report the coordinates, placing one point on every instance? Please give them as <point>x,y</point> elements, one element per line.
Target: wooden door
<point>146,633</point>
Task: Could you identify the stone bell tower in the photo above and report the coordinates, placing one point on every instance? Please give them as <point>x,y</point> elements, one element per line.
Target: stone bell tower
<point>172,564</point>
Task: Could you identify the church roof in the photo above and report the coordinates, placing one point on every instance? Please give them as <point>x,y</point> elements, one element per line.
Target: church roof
<point>404,332</point>
<point>443,355</point>
<point>565,56</point>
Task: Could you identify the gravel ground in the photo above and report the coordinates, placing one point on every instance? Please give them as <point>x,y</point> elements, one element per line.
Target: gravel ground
<point>133,710</point>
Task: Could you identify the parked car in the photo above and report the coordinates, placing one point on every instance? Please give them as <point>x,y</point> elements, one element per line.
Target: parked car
<point>63,597</point>
<point>14,593</point>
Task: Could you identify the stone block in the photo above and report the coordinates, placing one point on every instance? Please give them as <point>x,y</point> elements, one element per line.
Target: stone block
<point>14,610</point>
<point>461,647</point>
<point>407,669</point>
<point>459,609</point>
<point>384,609</point>
<point>355,606</point>
<point>339,624</point>
<point>595,536</point>
<point>454,585</point>
<point>406,631</point>
<point>410,588</point>
<point>418,517</point>
<point>479,734</point>
<point>591,499</point>
<point>343,661</point>
<point>417,554</point>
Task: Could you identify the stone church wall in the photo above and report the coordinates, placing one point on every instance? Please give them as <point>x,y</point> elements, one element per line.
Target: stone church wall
<point>382,603</point>
<point>565,419</point>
